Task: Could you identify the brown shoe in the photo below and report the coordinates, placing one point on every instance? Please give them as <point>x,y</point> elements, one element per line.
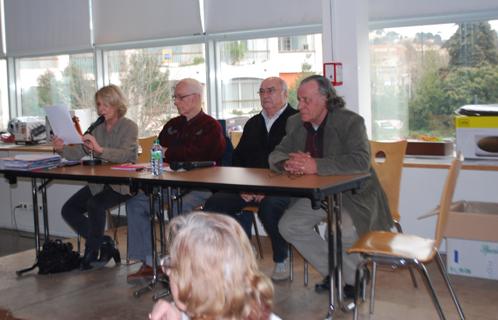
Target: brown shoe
<point>145,273</point>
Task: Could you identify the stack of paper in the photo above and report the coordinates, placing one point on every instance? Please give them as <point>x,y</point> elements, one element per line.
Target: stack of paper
<point>31,161</point>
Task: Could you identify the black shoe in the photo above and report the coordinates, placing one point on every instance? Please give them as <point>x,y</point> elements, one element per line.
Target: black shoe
<point>89,257</point>
<point>109,251</point>
<point>348,291</point>
<point>323,286</point>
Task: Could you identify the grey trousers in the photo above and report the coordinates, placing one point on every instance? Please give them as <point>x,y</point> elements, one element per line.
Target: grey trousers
<point>297,227</point>
<point>138,211</point>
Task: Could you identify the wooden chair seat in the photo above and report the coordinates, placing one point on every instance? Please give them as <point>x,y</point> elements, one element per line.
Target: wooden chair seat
<point>395,244</point>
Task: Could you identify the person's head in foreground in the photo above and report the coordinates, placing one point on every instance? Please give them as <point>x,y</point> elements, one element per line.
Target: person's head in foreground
<point>213,271</point>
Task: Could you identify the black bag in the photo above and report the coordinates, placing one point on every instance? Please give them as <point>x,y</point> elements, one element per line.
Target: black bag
<point>57,256</point>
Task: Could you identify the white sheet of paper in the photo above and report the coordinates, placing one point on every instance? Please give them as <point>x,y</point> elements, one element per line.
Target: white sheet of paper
<point>62,124</point>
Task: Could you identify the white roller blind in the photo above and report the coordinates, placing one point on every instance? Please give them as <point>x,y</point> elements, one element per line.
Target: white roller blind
<point>396,9</point>
<point>35,27</point>
<point>229,15</point>
<point>118,21</point>
<point>2,49</point>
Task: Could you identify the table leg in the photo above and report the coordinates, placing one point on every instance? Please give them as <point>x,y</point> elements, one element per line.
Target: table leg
<point>36,226</point>
<point>160,218</point>
<point>43,189</point>
<point>166,292</point>
<point>153,196</point>
<point>332,244</point>
<point>333,206</point>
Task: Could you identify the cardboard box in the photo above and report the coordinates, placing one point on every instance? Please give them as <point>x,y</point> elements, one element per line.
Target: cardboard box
<point>473,220</point>
<point>472,239</point>
<point>472,258</point>
<point>477,136</point>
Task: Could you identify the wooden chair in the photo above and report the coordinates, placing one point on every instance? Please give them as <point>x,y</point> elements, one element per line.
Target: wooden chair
<point>388,170</point>
<point>145,144</point>
<point>398,249</point>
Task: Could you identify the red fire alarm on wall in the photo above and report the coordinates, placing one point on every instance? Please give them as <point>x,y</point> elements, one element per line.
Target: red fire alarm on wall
<point>333,72</point>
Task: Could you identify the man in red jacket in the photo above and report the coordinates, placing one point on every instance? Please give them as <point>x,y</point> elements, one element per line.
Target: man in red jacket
<point>192,136</point>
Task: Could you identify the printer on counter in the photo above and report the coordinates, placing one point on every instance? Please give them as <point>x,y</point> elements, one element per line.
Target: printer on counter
<point>28,130</point>
<point>477,131</point>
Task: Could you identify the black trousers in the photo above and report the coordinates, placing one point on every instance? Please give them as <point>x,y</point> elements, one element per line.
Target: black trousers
<point>90,226</point>
<point>270,211</point>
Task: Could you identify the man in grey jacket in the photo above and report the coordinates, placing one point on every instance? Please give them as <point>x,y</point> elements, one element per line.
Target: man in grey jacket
<point>327,139</point>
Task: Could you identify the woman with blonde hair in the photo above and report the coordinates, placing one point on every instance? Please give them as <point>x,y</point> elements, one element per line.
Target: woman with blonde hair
<point>112,138</point>
<point>213,272</point>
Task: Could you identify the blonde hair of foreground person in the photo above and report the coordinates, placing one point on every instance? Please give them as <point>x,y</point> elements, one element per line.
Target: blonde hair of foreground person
<point>213,272</point>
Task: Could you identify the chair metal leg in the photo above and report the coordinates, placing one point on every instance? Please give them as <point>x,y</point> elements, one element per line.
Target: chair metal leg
<point>306,264</point>
<point>412,275</point>
<point>357,287</point>
<point>372,288</point>
<point>127,247</point>
<point>364,283</point>
<point>430,288</point>
<point>444,273</point>
<point>291,261</point>
<point>256,231</point>
<point>306,276</point>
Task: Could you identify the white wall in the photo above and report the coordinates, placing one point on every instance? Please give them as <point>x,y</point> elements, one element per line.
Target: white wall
<point>20,193</point>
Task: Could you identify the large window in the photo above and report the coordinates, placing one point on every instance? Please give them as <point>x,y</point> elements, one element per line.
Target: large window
<point>243,64</point>
<point>62,79</point>
<point>296,43</point>
<point>421,75</point>
<point>148,76</point>
<point>4,96</point>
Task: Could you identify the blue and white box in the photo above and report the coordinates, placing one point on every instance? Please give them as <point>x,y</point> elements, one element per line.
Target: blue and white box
<point>472,258</point>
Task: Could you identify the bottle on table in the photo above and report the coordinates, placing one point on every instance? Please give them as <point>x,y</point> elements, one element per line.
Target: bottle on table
<point>156,158</point>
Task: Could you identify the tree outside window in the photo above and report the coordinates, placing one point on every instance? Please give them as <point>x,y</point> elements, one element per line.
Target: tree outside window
<point>419,80</point>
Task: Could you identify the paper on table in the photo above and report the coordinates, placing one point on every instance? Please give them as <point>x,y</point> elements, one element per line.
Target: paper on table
<point>62,124</point>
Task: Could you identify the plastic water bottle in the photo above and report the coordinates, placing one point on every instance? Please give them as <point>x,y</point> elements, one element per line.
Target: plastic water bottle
<point>156,159</point>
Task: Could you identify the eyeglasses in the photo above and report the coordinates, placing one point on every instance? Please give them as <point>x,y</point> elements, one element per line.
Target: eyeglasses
<point>179,97</point>
<point>270,90</point>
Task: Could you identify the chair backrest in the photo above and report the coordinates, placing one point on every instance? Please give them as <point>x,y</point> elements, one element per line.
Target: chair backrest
<point>389,169</point>
<point>235,137</point>
<point>145,146</point>
<point>446,198</point>
<point>226,158</point>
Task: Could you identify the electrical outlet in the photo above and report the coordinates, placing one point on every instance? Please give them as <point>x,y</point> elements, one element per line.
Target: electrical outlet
<point>28,206</point>
<point>23,205</point>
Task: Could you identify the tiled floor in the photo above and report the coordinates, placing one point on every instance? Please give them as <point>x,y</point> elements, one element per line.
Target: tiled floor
<point>104,293</point>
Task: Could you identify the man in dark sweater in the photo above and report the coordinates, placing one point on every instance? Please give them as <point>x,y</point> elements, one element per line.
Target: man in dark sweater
<point>261,134</point>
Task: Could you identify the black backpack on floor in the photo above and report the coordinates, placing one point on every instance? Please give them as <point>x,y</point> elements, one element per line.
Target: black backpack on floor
<point>57,256</point>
